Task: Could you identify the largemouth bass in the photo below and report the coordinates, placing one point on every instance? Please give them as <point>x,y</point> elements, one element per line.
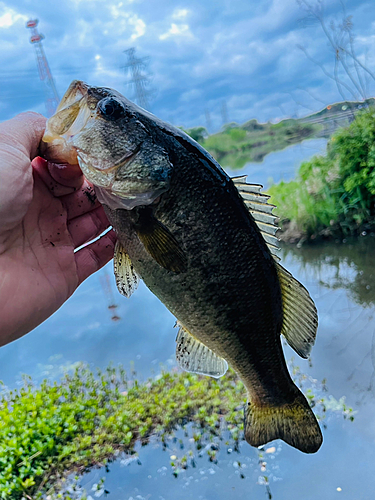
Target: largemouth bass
<point>204,244</point>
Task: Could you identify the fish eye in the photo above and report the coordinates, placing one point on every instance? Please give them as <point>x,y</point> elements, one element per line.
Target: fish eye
<point>111,108</point>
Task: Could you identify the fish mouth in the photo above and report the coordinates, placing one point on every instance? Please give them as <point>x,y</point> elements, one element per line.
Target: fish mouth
<point>71,114</point>
<point>78,105</point>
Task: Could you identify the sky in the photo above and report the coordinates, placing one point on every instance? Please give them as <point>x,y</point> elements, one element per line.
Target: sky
<point>243,53</point>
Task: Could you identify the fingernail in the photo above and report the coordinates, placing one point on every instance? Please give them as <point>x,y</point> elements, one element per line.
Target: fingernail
<point>65,170</point>
<point>39,161</point>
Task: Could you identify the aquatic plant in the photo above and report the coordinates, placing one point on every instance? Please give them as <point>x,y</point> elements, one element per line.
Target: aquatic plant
<point>333,194</point>
<point>86,419</point>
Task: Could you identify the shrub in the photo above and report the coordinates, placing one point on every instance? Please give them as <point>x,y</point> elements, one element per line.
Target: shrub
<point>335,191</point>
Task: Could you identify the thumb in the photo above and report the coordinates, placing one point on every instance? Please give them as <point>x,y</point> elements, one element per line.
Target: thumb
<point>19,142</point>
<point>23,133</point>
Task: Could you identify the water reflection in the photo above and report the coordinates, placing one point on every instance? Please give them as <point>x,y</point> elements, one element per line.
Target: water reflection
<point>109,292</point>
<point>353,263</point>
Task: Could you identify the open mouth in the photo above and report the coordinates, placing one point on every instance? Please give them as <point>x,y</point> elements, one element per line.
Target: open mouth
<point>71,115</point>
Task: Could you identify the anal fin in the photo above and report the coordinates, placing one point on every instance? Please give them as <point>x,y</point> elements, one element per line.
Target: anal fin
<point>127,280</point>
<point>195,357</point>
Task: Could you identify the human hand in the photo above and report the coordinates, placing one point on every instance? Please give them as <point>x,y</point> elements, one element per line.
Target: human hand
<point>46,212</point>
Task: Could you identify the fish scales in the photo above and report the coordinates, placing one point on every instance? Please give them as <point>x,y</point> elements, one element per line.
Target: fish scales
<point>185,230</point>
<point>231,284</point>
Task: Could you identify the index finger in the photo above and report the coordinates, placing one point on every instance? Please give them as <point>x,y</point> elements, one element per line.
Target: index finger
<point>66,174</point>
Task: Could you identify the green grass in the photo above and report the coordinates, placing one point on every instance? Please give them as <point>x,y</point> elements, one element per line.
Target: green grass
<point>84,420</point>
<point>333,195</point>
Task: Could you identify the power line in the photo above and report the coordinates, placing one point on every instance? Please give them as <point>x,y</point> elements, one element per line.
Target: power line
<point>52,98</point>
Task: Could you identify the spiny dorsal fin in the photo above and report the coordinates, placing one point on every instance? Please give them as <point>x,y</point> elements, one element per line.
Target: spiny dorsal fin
<point>127,280</point>
<point>261,210</point>
<point>300,318</point>
<point>193,356</point>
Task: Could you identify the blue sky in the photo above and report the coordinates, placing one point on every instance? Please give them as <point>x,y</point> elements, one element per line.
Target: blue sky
<point>200,53</point>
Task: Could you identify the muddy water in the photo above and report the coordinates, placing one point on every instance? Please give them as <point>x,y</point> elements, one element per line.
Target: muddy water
<point>99,326</point>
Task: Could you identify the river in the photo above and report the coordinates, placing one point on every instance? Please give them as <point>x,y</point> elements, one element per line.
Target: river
<point>98,326</point>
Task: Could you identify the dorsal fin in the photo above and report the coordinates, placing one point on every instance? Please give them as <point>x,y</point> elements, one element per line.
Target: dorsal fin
<point>300,319</point>
<point>261,210</point>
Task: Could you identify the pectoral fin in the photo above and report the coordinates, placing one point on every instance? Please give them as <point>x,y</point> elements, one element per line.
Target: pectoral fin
<point>193,356</point>
<point>300,318</point>
<point>127,280</point>
<point>162,245</point>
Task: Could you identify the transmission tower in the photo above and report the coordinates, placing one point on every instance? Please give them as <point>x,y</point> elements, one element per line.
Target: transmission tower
<point>224,112</point>
<point>52,97</point>
<point>208,120</point>
<point>139,79</point>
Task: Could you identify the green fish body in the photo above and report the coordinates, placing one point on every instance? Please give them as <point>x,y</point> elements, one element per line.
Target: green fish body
<point>185,228</point>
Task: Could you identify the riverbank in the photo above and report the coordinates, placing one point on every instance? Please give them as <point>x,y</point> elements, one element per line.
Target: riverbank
<point>237,144</point>
<point>333,195</point>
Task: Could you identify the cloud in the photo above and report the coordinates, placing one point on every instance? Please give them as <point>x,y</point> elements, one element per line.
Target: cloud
<point>180,13</point>
<point>139,27</point>
<point>199,53</point>
<point>178,31</point>
<point>190,95</point>
<point>8,16</point>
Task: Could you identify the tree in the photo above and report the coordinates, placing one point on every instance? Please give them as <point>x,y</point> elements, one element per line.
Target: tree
<point>349,73</point>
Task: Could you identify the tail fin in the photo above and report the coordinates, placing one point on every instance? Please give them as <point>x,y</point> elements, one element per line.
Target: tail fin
<point>293,422</point>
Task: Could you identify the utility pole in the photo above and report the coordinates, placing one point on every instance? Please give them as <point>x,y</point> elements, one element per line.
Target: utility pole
<point>139,79</point>
<point>52,97</point>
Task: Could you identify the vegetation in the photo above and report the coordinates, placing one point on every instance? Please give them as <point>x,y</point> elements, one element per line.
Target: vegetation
<point>84,420</point>
<point>333,194</point>
<point>237,145</point>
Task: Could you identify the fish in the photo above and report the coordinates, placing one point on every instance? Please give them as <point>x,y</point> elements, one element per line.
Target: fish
<point>205,244</point>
